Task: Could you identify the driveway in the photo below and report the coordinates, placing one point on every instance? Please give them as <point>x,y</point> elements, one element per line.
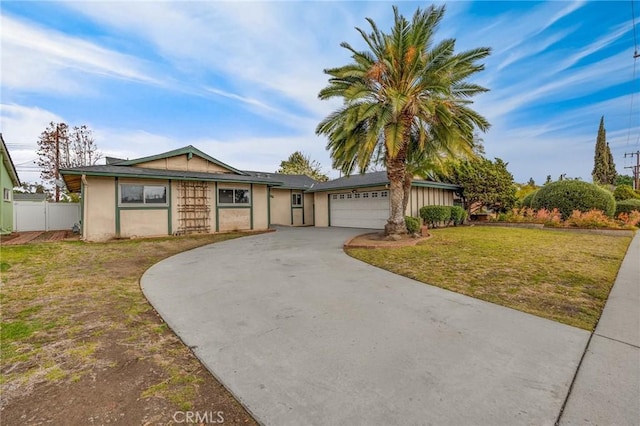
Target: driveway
<point>302,334</point>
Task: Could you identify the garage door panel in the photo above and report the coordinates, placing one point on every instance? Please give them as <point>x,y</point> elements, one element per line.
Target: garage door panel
<point>362,210</point>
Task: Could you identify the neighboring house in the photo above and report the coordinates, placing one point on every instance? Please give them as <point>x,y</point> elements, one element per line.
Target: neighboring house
<point>186,191</point>
<point>8,180</point>
<point>362,201</point>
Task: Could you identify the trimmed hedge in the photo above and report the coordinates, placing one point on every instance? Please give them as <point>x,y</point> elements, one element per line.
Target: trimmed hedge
<point>433,215</point>
<point>625,192</point>
<point>627,206</point>
<point>458,215</point>
<point>527,201</point>
<point>570,195</point>
<point>413,224</point>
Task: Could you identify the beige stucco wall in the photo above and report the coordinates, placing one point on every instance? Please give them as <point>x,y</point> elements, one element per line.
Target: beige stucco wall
<point>260,207</point>
<point>99,214</point>
<point>181,162</point>
<point>280,206</point>
<point>232,219</point>
<point>143,223</point>
<point>321,216</point>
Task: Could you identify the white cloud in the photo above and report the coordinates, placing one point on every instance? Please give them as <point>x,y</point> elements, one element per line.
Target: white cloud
<point>21,127</point>
<point>40,59</point>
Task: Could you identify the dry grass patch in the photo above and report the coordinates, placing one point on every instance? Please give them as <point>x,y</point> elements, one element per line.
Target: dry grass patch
<point>81,344</point>
<point>561,276</point>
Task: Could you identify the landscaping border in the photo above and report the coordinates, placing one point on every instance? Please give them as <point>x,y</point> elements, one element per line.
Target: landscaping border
<point>610,232</point>
<point>374,244</point>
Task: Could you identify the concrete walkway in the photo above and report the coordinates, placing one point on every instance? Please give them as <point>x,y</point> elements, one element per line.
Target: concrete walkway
<point>302,334</point>
<point>607,387</point>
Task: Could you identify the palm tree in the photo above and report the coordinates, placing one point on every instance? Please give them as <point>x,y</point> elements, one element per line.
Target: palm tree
<point>405,87</point>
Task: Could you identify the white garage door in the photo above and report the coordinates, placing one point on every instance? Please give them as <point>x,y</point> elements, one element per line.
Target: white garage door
<point>369,209</point>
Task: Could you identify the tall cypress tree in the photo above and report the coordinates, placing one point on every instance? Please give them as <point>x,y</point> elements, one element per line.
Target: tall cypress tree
<point>601,159</point>
<point>612,174</point>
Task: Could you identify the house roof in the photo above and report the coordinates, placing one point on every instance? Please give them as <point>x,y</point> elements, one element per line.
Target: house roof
<point>113,160</point>
<point>302,182</point>
<point>189,150</point>
<point>72,177</point>
<point>373,179</point>
<point>19,196</point>
<point>8,163</point>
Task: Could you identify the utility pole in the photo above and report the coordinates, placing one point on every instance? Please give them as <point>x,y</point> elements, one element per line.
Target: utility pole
<point>58,163</point>
<point>636,168</point>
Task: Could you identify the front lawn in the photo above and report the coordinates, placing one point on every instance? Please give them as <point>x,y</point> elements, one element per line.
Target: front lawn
<point>562,276</point>
<point>81,345</point>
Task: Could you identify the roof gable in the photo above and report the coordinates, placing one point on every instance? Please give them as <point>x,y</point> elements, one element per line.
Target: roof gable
<point>8,163</point>
<point>190,151</point>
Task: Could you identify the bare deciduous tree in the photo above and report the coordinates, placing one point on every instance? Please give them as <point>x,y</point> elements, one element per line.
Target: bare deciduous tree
<point>60,147</point>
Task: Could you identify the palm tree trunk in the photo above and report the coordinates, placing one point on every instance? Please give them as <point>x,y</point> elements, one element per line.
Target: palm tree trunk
<point>396,171</point>
<point>408,178</point>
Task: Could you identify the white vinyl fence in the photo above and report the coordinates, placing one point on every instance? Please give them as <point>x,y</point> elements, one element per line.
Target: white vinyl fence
<point>44,216</point>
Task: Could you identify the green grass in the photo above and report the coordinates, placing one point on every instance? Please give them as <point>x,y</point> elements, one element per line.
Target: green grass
<point>63,302</point>
<point>561,276</point>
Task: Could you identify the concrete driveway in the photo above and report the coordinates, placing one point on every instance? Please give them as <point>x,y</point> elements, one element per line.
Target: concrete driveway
<point>302,334</point>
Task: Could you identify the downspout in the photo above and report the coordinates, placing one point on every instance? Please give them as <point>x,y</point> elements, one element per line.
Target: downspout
<point>84,184</point>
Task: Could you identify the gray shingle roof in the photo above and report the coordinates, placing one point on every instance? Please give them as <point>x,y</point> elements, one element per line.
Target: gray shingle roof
<point>288,181</point>
<point>372,179</point>
<point>143,172</point>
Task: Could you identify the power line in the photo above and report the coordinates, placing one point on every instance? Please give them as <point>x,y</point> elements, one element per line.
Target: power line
<point>633,79</point>
<point>636,168</point>
<point>633,23</point>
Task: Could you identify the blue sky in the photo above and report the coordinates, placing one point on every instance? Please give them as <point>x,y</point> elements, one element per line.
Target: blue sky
<point>239,80</point>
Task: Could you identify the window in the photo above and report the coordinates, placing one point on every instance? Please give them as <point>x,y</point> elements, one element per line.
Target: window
<point>349,196</point>
<point>356,195</point>
<point>296,200</point>
<point>233,196</point>
<point>374,195</point>
<point>334,196</point>
<point>6,194</point>
<point>365,195</point>
<point>342,196</point>
<point>384,194</point>
<point>143,194</point>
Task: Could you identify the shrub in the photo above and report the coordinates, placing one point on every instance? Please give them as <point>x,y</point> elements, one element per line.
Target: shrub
<point>549,218</point>
<point>625,192</point>
<point>627,206</point>
<point>527,201</point>
<point>570,195</point>
<point>413,224</point>
<point>630,219</point>
<point>591,219</point>
<point>528,215</point>
<point>434,215</point>
<point>458,215</point>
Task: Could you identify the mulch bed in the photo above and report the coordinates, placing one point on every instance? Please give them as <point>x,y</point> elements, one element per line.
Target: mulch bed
<point>379,240</point>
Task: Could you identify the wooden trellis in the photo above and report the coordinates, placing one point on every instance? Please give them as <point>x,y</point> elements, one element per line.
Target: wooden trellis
<point>193,208</point>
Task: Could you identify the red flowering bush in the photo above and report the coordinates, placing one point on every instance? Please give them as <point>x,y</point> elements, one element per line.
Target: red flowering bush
<point>630,219</point>
<point>591,219</point>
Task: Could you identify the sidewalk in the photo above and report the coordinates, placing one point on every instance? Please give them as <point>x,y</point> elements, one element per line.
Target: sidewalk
<point>606,390</point>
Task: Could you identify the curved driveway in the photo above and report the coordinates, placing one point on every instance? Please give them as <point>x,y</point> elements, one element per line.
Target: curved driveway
<point>302,334</point>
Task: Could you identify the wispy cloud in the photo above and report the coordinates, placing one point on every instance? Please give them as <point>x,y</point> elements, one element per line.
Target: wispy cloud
<point>37,58</point>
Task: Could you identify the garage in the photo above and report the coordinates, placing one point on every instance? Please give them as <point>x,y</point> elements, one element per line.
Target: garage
<point>359,209</point>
